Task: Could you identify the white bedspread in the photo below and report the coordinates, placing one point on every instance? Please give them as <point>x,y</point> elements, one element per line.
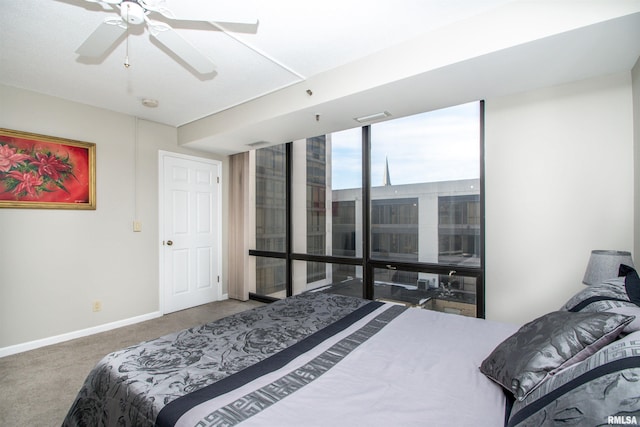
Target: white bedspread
<point>419,369</point>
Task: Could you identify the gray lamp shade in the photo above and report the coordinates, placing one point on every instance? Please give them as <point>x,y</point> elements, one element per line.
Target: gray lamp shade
<point>604,265</point>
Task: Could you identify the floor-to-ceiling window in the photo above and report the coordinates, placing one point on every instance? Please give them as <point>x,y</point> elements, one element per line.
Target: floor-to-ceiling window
<point>389,211</point>
<point>324,227</point>
<point>316,209</point>
<point>426,245</point>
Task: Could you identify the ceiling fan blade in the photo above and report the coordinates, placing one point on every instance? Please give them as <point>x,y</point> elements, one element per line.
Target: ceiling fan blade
<point>103,4</point>
<point>102,38</point>
<point>185,50</point>
<point>237,27</point>
<point>104,1</point>
<point>223,19</point>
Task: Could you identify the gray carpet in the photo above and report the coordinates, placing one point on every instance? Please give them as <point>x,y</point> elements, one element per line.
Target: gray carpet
<point>37,387</point>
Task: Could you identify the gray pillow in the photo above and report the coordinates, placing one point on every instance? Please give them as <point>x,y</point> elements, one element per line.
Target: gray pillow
<point>628,311</point>
<point>549,344</point>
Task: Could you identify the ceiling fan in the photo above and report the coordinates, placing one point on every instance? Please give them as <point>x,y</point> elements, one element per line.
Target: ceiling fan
<point>136,12</point>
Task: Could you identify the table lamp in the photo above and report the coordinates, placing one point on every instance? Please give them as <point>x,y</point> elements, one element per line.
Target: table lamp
<point>604,265</point>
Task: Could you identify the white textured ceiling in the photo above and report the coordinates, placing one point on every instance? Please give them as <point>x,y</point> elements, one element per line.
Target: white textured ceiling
<point>357,56</point>
<point>294,40</point>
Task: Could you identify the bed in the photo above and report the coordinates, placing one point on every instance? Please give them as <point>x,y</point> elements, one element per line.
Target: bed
<point>320,359</point>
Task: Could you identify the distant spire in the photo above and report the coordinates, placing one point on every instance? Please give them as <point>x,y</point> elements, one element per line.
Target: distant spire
<point>386,180</point>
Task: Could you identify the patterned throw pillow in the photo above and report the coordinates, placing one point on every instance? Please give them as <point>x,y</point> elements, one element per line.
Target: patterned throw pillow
<point>612,296</point>
<point>601,390</point>
<point>548,344</point>
<point>600,297</point>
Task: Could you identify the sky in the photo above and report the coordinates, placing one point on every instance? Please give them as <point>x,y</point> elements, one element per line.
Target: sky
<point>441,145</point>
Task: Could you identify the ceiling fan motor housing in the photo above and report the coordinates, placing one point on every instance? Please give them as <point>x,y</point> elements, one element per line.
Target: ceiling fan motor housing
<point>131,12</point>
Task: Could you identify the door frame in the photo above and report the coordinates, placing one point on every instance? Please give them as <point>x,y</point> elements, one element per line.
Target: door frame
<point>161,214</point>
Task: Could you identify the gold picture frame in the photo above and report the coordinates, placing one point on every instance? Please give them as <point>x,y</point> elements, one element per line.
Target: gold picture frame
<point>40,171</point>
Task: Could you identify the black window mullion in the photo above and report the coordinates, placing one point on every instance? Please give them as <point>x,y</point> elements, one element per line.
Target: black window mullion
<point>480,300</point>
<point>289,222</point>
<point>367,269</point>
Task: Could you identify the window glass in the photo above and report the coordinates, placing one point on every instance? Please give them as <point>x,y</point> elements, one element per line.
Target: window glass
<point>316,209</point>
<point>339,279</point>
<point>346,193</point>
<point>271,277</point>
<point>315,161</point>
<point>424,212</point>
<point>270,218</point>
<point>324,224</point>
<point>459,230</point>
<point>394,229</point>
<point>343,231</point>
<point>270,196</point>
<point>425,187</point>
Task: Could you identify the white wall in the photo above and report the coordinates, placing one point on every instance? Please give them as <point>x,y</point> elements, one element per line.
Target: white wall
<point>559,183</point>
<point>55,263</point>
<point>636,139</point>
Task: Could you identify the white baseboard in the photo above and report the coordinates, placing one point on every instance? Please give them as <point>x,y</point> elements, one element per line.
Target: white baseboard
<point>32,345</point>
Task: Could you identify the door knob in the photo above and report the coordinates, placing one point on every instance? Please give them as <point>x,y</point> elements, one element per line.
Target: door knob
<point>169,242</point>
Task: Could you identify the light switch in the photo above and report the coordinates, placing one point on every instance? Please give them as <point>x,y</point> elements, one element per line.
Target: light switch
<point>137,226</point>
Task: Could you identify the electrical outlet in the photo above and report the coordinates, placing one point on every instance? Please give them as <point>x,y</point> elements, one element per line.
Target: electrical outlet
<point>97,306</point>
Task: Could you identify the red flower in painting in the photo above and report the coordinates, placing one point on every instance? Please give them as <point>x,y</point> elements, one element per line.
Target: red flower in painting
<point>35,172</point>
<point>50,165</point>
<point>9,158</point>
<point>27,182</point>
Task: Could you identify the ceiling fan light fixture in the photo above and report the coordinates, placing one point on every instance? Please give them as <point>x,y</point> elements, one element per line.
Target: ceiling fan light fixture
<point>137,12</point>
<point>150,103</point>
<point>132,13</point>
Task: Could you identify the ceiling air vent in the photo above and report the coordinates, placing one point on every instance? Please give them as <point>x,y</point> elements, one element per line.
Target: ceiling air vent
<point>373,117</point>
<point>258,144</point>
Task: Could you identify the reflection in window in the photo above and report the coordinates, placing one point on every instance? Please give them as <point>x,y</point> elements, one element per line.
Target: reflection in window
<point>344,228</point>
<point>394,229</point>
<point>319,163</point>
<point>271,277</point>
<point>270,198</point>
<point>459,230</point>
<point>316,205</point>
<point>454,293</point>
<point>270,220</point>
<point>341,279</point>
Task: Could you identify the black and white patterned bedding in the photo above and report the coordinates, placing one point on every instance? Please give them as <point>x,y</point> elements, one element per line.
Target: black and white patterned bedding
<point>311,360</point>
<point>130,387</point>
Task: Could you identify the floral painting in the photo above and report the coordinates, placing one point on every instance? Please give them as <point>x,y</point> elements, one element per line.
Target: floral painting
<point>38,171</point>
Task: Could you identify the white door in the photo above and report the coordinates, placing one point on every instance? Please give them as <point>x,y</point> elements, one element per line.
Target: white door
<point>190,231</point>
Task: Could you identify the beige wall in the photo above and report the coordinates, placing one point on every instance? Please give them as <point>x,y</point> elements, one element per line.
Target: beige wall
<point>559,183</point>
<point>55,263</point>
